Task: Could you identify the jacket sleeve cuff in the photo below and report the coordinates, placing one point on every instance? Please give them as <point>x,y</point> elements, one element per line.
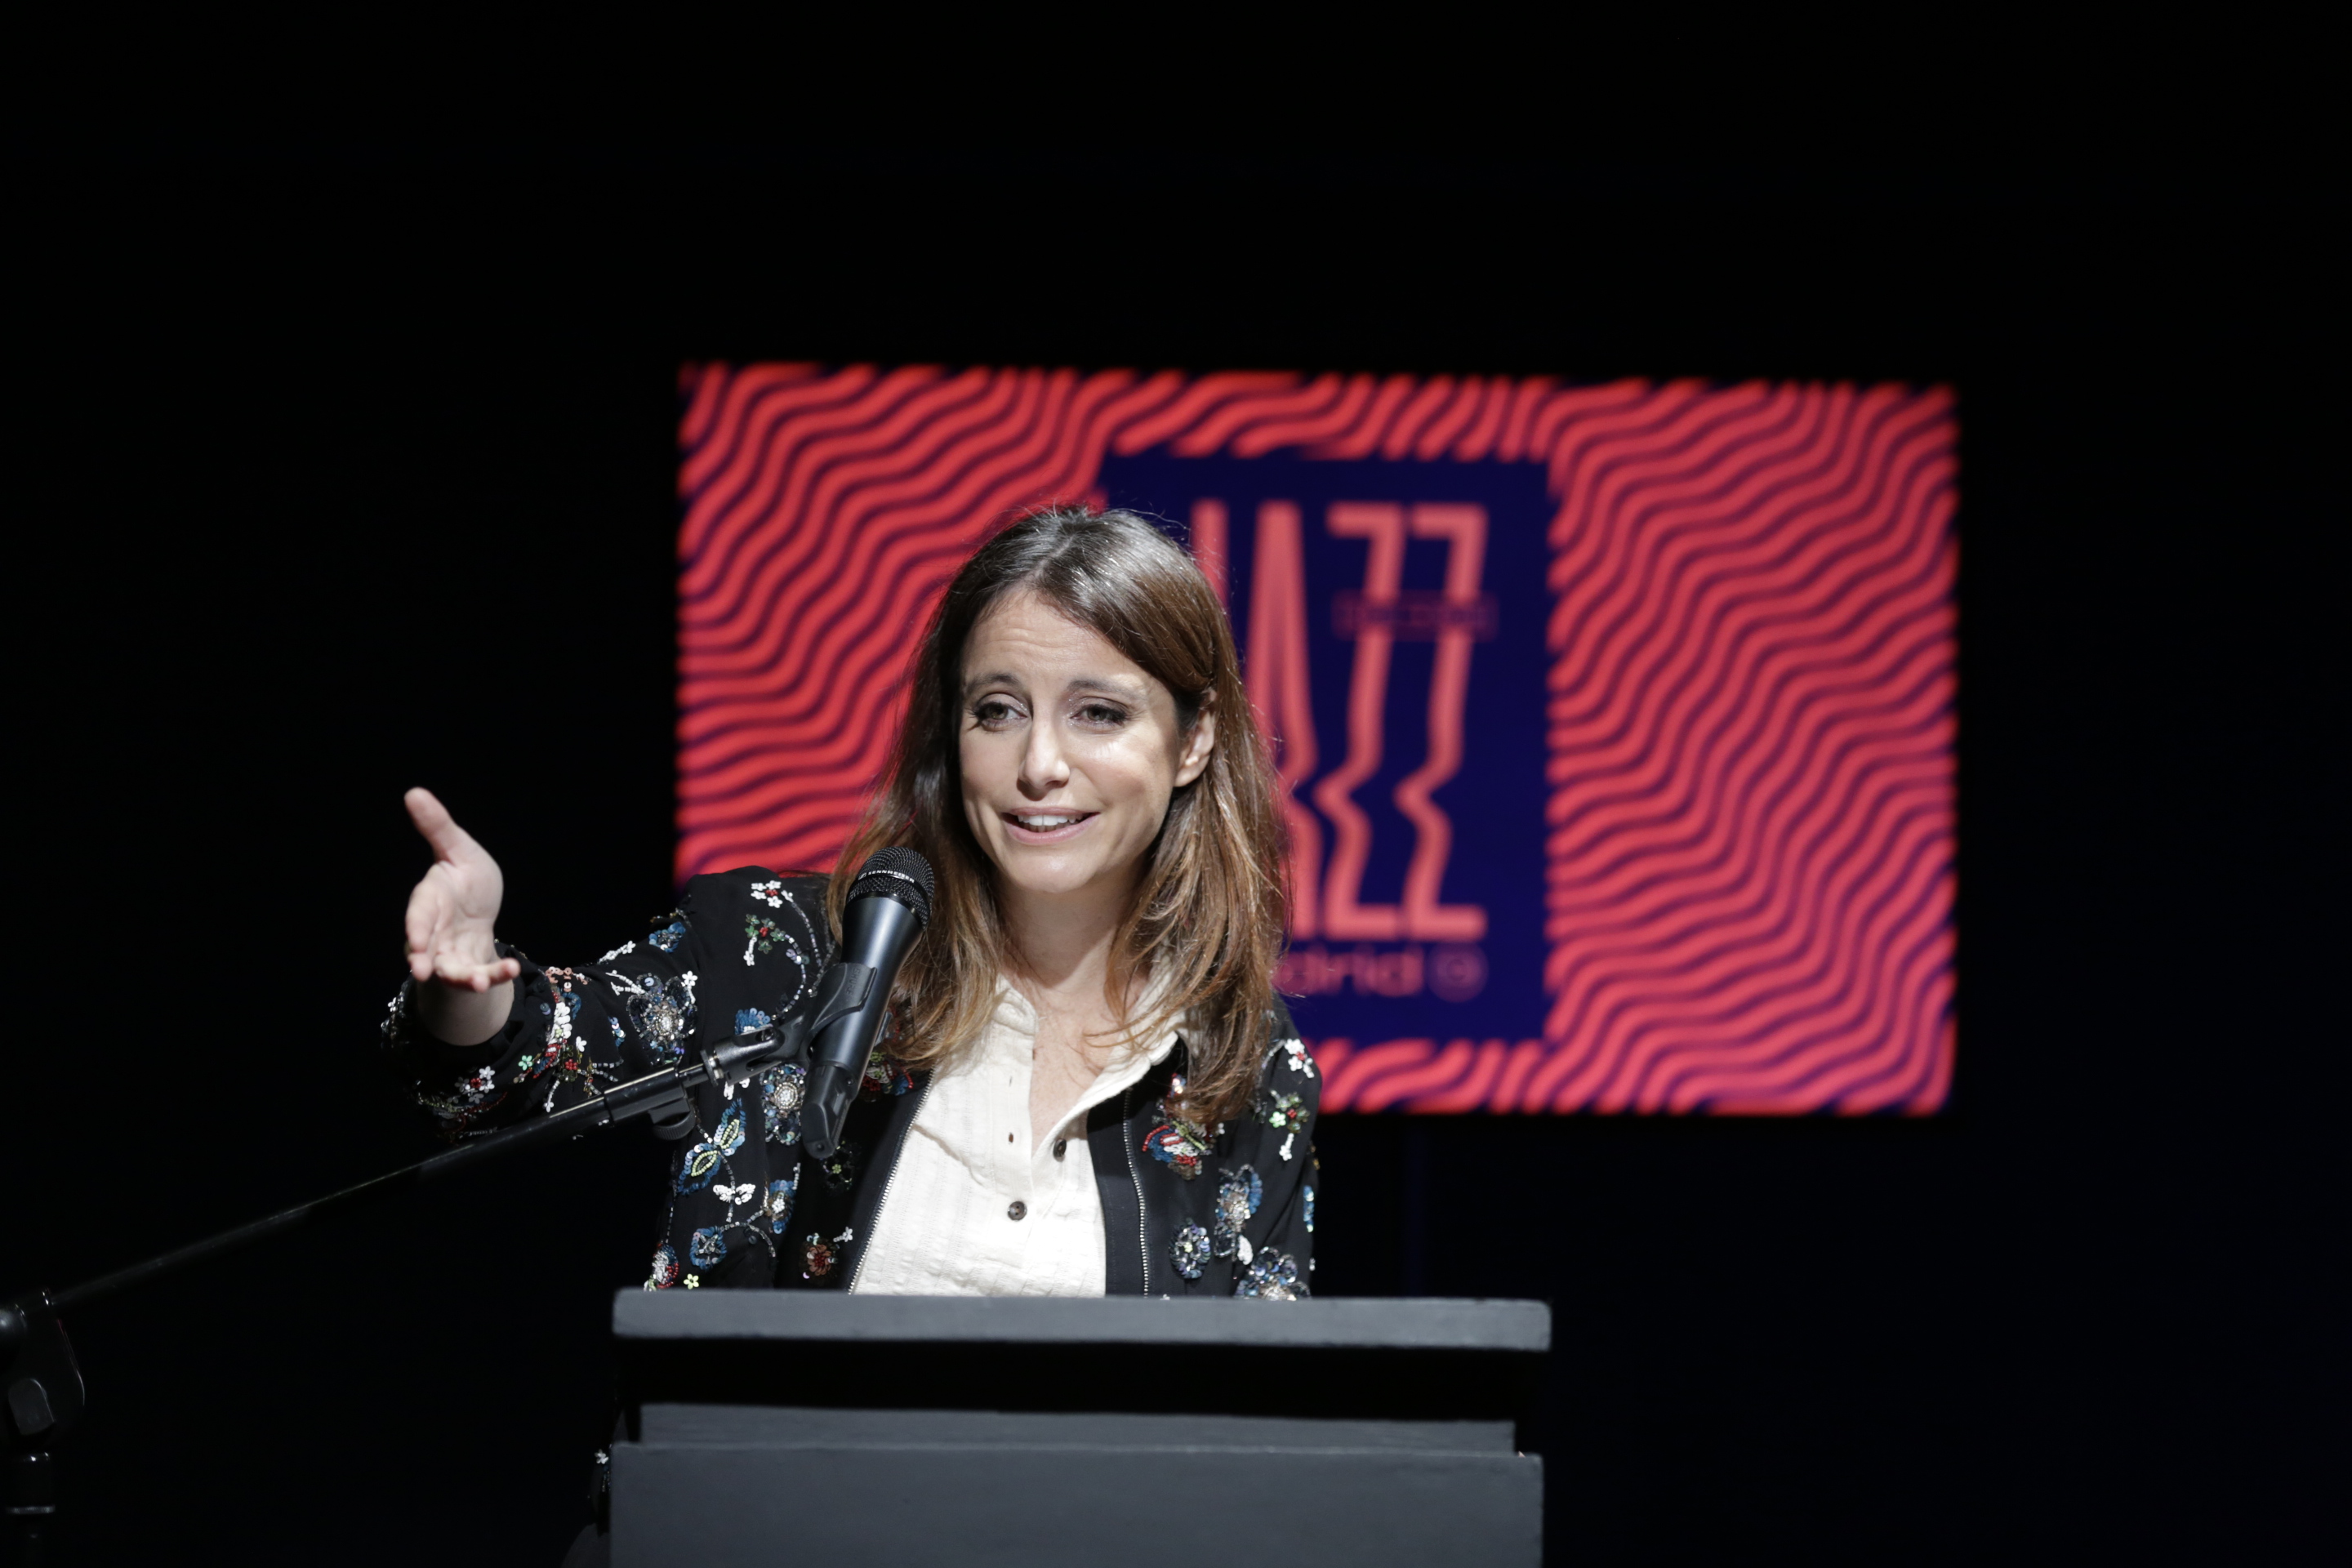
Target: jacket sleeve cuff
<point>405,1034</point>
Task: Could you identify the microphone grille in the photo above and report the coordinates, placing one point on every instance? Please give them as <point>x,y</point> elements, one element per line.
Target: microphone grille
<point>897,873</point>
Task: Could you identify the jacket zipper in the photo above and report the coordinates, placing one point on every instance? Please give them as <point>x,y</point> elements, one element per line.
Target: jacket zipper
<point>1142,1233</point>
<point>865,1247</point>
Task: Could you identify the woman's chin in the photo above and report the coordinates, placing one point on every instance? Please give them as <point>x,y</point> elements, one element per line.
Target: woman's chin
<point>1046,881</point>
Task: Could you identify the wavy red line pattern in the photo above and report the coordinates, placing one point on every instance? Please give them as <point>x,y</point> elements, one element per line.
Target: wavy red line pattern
<point>1749,832</point>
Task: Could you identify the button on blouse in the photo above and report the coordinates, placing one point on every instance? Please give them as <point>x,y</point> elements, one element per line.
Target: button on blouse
<point>964,1172</point>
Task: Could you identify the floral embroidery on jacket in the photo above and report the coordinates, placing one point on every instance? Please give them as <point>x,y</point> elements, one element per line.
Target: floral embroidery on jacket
<point>1178,1145</point>
<point>564,1053</point>
<point>765,934</point>
<point>781,1089</point>
<point>1283,1112</point>
<point>840,1173</point>
<point>1273,1278</point>
<point>884,1075</point>
<point>1190,1251</point>
<point>664,1274</point>
<point>817,1257</point>
<point>662,1012</point>
<point>697,1165</point>
<point>668,937</point>
<point>1238,1197</point>
<point>710,1246</point>
<point>779,1204</point>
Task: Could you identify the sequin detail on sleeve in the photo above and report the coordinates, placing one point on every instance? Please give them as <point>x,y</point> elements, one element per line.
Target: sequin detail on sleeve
<point>564,1054</point>
<point>662,1010</point>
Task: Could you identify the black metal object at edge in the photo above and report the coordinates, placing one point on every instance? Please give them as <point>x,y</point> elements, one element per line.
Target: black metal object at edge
<point>45,1394</point>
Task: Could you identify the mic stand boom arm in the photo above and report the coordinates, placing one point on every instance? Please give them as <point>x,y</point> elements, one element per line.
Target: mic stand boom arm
<point>44,1385</point>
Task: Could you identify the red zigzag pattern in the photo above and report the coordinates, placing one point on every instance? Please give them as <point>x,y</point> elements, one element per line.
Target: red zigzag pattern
<point>1750,824</point>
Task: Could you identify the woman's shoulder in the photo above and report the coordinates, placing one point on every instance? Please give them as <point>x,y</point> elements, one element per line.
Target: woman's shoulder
<point>1287,1061</point>
<point>754,885</point>
<point>792,900</point>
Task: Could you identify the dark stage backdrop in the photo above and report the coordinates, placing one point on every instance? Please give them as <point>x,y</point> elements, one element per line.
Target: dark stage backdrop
<point>334,476</point>
<point>1614,724</point>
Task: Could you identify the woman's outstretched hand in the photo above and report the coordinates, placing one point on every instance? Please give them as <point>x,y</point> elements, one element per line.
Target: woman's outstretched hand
<point>451,917</point>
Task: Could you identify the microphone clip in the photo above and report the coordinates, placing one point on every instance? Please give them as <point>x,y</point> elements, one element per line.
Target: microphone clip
<point>841,990</point>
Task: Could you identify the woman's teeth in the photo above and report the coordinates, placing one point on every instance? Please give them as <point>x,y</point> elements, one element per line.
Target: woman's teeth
<point>1047,824</point>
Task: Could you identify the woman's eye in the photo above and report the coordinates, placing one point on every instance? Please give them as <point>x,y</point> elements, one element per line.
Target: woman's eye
<point>1102,713</point>
<point>994,712</point>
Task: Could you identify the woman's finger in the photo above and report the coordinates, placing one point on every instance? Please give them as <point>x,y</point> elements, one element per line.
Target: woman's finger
<point>428,915</point>
<point>467,974</point>
<point>449,841</point>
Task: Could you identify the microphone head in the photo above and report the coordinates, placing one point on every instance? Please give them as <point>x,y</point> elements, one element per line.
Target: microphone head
<point>895,873</point>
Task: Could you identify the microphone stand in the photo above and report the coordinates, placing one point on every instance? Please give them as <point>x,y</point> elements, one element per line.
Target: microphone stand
<point>44,1381</point>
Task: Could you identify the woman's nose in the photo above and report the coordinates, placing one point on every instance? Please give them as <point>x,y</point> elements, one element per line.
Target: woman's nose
<point>1044,769</point>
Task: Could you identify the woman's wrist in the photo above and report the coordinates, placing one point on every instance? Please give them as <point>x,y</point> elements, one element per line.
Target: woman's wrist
<point>463,1016</point>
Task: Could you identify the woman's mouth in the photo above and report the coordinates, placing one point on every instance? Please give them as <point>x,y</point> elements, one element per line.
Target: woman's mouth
<point>1044,827</point>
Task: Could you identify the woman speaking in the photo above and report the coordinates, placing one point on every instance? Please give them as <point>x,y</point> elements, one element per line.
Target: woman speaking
<point>1088,1085</point>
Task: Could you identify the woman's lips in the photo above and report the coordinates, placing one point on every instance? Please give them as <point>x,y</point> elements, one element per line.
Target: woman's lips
<point>1021,833</point>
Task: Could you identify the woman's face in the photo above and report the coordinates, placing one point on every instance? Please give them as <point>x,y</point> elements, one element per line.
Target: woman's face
<point>1070,753</point>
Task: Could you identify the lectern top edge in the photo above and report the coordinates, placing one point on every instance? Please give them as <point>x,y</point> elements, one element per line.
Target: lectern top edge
<point>1362,1324</point>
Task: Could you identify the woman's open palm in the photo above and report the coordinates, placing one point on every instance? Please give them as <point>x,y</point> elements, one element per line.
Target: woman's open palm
<point>453,912</point>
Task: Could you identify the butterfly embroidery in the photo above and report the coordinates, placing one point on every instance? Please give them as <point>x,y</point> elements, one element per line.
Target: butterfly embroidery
<point>739,1194</point>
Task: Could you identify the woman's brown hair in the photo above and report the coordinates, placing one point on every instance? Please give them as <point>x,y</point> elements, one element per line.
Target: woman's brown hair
<point>1207,919</point>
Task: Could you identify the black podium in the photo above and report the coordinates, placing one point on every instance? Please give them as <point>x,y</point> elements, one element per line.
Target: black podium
<point>781,1428</point>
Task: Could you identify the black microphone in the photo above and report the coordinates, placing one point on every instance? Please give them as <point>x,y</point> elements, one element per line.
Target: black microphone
<point>889,903</point>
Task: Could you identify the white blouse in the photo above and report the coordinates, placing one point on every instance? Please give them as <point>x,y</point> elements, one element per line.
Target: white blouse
<point>974,1209</point>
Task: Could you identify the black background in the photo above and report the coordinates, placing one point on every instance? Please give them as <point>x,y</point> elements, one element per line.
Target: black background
<point>335,472</point>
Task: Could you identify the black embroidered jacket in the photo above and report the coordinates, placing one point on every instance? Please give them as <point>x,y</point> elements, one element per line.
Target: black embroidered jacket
<point>1186,1210</point>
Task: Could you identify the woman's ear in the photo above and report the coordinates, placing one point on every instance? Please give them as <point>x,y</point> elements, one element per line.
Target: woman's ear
<point>1199,744</point>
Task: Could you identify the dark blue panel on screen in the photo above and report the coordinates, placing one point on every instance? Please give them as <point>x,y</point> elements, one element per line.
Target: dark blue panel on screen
<point>1423,980</point>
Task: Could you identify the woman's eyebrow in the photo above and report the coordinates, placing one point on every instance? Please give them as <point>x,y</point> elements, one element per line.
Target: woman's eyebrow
<point>1118,686</point>
<point>994,677</point>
